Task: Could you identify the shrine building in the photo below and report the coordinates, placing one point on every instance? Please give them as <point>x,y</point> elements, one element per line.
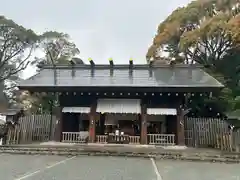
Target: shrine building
<point>141,104</point>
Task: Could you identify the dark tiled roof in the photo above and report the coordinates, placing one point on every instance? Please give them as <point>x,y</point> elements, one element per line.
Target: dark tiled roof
<point>162,76</point>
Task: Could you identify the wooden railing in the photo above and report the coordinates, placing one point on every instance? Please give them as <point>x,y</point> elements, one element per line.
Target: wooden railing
<point>134,139</point>
<point>101,139</point>
<point>75,137</point>
<point>129,139</point>
<point>161,139</point>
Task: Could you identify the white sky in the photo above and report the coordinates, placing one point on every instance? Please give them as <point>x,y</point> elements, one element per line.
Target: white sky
<point>101,28</point>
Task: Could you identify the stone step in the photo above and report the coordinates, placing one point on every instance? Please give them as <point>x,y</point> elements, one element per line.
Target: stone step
<point>71,152</point>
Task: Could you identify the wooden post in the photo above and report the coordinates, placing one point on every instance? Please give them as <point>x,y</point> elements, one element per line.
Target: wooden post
<point>92,123</point>
<point>59,125</point>
<point>180,128</point>
<point>143,124</point>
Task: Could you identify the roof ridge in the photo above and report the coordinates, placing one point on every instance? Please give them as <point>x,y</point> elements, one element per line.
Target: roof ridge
<point>121,66</point>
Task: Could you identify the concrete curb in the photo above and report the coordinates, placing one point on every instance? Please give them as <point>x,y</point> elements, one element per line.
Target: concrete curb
<point>93,152</point>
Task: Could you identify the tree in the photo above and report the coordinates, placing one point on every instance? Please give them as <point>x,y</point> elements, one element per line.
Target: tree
<point>16,46</point>
<point>204,32</point>
<point>201,32</point>
<point>58,49</point>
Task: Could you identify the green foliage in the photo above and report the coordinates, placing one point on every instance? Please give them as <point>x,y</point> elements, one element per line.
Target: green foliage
<point>58,49</point>
<point>206,32</point>
<point>16,46</point>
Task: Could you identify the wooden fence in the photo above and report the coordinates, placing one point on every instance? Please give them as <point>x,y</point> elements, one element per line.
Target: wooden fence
<point>32,128</point>
<point>210,132</point>
<point>199,132</point>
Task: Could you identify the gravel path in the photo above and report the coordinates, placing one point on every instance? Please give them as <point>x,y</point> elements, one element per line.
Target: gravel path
<point>29,167</point>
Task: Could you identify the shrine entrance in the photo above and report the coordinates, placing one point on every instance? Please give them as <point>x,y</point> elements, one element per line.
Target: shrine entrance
<point>119,121</point>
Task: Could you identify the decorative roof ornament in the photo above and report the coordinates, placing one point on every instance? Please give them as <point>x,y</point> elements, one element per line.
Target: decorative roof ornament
<point>111,62</point>
<point>91,62</point>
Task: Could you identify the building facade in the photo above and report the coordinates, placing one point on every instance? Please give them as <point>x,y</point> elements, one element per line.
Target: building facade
<point>123,100</point>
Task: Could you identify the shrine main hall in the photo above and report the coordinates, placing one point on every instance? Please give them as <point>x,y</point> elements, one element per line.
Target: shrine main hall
<point>140,104</point>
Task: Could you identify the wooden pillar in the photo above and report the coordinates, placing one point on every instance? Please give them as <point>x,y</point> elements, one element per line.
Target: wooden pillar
<point>143,124</point>
<point>92,123</point>
<point>180,128</point>
<point>59,124</point>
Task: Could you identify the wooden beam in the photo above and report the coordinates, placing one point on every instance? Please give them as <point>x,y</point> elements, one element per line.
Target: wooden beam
<point>111,62</point>
<point>143,121</point>
<point>130,68</point>
<point>111,66</point>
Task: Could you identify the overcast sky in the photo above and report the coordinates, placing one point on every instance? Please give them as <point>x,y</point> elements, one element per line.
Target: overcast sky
<point>101,28</point>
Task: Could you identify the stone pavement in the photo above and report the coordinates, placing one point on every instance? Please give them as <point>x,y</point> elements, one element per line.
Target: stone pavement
<point>146,151</point>
<point>39,167</point>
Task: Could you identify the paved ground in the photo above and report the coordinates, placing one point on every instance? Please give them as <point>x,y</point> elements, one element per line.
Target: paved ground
<point>27,167</point>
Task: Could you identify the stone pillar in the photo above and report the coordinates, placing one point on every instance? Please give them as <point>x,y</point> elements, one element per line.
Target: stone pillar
<point>143,124</point>
<point>180,128</point>
<point>59,124</point>
<point>92,124</point>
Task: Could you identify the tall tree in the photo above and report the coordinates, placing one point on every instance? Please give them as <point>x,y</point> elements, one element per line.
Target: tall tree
<point>200,32</point>
<point>16,46</point>
<point>58,49</point>
<point>206,32</point>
